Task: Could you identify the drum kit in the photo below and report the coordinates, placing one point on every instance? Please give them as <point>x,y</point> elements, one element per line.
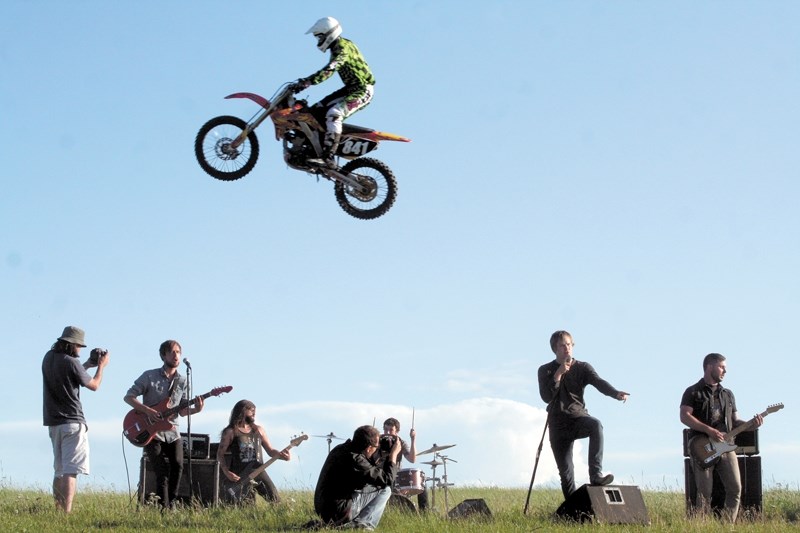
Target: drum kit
<point>436,482</point>
<point>330,437</point>
<point>411,481</point>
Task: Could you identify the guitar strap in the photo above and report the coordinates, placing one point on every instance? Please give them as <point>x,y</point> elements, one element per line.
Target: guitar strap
<point>726,395</point>
<point>175,392</point>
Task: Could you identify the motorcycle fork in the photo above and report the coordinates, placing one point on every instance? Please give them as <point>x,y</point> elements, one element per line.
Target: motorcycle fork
<point>251,126</point>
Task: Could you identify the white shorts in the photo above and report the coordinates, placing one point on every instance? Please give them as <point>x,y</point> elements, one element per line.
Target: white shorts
<point>70,449</point>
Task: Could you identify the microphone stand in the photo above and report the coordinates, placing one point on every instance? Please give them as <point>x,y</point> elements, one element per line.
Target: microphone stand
<point>189,431</point>
<point>538,454</point>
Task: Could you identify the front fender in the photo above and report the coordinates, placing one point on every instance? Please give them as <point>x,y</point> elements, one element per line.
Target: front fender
<point>260,100</point>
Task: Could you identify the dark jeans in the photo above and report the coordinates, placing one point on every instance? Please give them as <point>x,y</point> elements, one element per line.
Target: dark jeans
<point>266,487</point>
<point>422,499</point>
<point>563,434</point>
<point>167,461</point>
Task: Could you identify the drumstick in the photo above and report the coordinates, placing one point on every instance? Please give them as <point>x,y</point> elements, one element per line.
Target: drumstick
<point>412,418</point>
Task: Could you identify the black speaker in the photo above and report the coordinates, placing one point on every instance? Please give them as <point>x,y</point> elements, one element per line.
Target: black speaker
<point>749,471</point>
<point>205,478</point>
<point>612,504</point>
<point>201,446</point>
<point>471,507</point>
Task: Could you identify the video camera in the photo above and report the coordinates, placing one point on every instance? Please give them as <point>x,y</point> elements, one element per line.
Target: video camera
<point>386,444</point>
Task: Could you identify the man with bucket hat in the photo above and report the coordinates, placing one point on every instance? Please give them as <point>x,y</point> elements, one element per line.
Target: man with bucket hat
<point>63,375</point>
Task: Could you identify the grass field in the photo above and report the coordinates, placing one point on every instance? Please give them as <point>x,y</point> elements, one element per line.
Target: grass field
<point>34,511</point>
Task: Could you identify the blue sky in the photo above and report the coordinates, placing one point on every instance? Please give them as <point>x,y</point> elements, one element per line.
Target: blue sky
<point>623,170</point>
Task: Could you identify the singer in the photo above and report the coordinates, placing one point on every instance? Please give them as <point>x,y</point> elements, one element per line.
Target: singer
<point>165,451</point>
<point>561,386</point>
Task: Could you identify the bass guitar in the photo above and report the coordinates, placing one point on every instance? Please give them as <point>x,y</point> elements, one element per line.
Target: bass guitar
<point>237,491</point>
<point>706,452</point>
<point>140,429</point>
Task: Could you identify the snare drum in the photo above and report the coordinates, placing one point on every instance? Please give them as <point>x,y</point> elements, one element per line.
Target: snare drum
<point>410,481</point>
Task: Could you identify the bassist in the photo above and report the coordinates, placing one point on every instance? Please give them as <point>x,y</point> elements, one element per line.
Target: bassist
<point>709,409</point>
<point>165,450</point>
<point>244,438</point>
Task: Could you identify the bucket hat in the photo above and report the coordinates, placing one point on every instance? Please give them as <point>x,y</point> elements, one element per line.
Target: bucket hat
<point>73,335</point>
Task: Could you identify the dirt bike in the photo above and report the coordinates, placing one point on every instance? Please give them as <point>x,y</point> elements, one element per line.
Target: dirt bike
<point>227,148</point>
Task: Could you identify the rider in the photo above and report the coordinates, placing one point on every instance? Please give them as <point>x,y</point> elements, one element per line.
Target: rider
<point>355,73</point>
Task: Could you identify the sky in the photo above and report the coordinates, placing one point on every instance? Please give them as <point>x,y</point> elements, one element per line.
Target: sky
<point>623,170</point>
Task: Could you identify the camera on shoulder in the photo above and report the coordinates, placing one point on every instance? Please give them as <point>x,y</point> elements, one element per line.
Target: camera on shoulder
<point>387,443</point>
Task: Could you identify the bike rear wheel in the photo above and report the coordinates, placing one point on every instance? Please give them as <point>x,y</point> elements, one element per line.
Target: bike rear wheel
<point>213,150</point>
<point>378,193</point>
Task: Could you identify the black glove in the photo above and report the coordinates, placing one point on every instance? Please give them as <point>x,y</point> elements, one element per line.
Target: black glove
<point>299,85</point>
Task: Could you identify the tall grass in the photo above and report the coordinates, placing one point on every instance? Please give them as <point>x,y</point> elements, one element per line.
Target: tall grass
<point>34,511</point>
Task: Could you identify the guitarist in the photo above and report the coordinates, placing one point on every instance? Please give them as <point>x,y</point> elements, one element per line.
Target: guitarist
<point>708,408</point>
<point>165,451</point>
<point>244,438</point>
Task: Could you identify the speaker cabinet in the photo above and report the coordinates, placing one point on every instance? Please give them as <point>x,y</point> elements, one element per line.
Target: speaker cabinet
<point>750,472</point>
<point>205,477</point>
<point>200,446</point>
<point>611,504</point>
<point>469,508</point>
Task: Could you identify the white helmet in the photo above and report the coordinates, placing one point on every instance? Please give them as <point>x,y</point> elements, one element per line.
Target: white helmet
<point>326,30</point>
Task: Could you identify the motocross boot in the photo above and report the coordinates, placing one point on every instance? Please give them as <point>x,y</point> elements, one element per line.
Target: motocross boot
<point>328,151</point>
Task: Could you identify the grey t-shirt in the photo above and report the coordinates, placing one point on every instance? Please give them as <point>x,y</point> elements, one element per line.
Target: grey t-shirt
<point>153,386</point>
<point>62,378</point>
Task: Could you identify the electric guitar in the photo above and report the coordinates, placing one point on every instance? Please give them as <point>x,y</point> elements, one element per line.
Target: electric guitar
<point>236,491</point>
<point>140,429</point>
<point>706,452</point>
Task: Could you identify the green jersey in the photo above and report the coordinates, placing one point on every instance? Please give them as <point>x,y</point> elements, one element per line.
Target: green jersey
<point>348,61</point>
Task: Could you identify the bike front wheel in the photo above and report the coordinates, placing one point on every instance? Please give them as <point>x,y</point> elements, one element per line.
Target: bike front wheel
<point>215,153</point>
<point>376,193</point>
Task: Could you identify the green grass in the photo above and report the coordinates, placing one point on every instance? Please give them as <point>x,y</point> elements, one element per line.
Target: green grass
<point>34,511</point>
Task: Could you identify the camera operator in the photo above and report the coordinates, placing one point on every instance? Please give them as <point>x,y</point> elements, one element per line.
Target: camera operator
<point>63,375</point>
<point>355,481</point>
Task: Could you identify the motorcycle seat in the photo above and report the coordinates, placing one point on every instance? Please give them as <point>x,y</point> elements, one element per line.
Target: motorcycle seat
<point>352,128</point>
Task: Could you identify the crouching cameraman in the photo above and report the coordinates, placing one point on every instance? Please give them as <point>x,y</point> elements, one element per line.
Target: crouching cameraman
<point>355,481</point>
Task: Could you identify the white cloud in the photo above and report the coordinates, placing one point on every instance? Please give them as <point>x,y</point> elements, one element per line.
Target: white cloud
<point>494,441</point>
<point>508,378</point>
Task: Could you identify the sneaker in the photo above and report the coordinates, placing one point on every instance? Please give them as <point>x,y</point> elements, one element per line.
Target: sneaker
<point>601,480</point>
<point>356,525</point>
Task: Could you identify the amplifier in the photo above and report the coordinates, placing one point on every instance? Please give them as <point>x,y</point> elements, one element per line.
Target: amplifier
<point>746,443</point>
<point>751,497</point>
<point>205,478</point>
<point>201,445</point>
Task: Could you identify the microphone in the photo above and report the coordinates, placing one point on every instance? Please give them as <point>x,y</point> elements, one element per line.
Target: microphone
<point>186,362</point>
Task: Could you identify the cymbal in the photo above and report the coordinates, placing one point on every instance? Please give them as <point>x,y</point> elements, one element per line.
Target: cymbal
<point>435,448</point>
<point>329,436</point>
<point>432,463</point>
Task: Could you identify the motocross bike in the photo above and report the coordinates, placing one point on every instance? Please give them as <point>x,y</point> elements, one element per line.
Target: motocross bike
<point>227,148</point>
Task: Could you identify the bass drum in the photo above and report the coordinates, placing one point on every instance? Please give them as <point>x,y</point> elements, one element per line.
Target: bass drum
<point>403,504</point>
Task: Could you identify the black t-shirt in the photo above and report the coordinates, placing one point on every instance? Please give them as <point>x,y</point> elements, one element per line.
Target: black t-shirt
<point>713,407</point>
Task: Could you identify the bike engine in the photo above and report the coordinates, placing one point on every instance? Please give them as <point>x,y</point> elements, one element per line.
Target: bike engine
<point>296,149</point>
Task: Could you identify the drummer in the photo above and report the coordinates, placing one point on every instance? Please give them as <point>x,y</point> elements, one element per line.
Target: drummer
<point>391,426</point>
